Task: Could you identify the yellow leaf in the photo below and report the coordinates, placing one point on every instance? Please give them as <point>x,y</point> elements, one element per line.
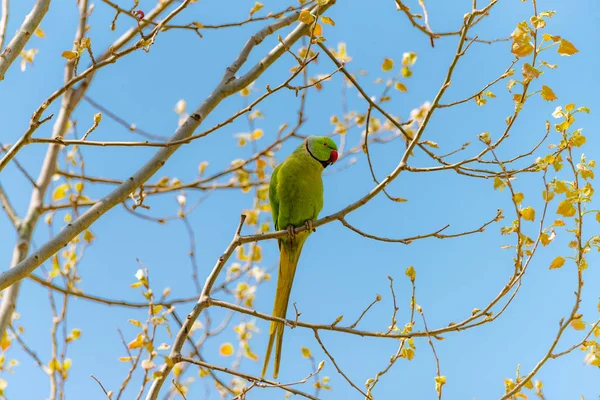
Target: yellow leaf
<point>528,213</point>
<point>566,209</point>
<point>557,263</point>
<point>547,196</point>
<point>70,54</point>
<point>522,48</point>
<point>125,359</point>
<point>549,37</point>
<point>245,91</point>
<point>318,31</point>
<point>578,324</point>
<point>257,6</point>
<point>577,140</point>
<point>530,72</point>
<point>156,308</point>
<point>409,354</point>
<point>135,322</point>
<point>248,353</point>
<point>560,187</point>
<point>518,197</point>
<point>327,21</point>
<point>480,101</point>
<point>548,94</point>
<point>439,382</point>
<point>85,43</point>
<point>5,342</point>
<point>88,236</point>
<point>411,273</point>
<point>306,17</point>
<point>409,58</point>
<point>226,349</point>
<point>97,118</point>
<point>387,64</point>
<point>545,239</point>
<point>257,134</point>
<point>499,183</point>
<point>202,166</point>
<point>257,254</point>
<point>60,192</point>
<point>40,33</point>
<point>54,365</point>
<point>177,370</point>
<point>400,86</point>
<point>137,342</point>
<point>566,48</point>
<point>306,352</point>
<point>559,222</point>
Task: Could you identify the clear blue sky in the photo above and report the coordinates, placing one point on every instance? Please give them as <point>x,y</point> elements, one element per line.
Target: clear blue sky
<point>340,272</point>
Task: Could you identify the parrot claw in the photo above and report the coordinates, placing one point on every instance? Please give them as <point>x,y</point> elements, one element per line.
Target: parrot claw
<point>291,231</point>
<point>309,226</point>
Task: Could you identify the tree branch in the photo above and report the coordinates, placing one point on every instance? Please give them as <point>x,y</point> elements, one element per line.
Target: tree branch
<point>26,229</point>
<point>259,381</point>
<point>3,22</point>
<point>110,56</point>
<point>25,32</point>
<point>8,208</point>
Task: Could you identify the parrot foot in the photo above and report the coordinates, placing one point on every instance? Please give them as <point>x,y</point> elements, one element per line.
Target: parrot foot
<point>291,231</point>
<point>309,226</point>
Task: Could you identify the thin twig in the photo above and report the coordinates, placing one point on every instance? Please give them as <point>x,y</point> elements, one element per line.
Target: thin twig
<point>339,370</point>
<point>101,386</point>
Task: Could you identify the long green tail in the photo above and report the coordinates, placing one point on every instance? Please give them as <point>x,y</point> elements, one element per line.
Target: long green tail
<point>288,260</point>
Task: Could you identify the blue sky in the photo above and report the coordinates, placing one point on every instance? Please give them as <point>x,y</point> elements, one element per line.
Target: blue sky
<point>340,272</point>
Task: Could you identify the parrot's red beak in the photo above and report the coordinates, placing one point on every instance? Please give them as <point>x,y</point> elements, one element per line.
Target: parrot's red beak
<point>333,156</point>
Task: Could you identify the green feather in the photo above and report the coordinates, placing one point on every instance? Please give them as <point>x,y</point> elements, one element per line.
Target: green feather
<point>296,196</point>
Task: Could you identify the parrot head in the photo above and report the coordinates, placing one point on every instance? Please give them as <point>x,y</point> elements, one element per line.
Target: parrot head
<point>323,149</point>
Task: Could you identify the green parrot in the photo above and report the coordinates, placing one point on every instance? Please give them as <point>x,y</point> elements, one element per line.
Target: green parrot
<point>296,195</point>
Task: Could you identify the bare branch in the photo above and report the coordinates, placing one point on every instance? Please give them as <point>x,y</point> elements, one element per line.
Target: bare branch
<point>259,381</point>
<point>316,332</point>
<point>25,32</point>
<point>85,78</point>
<point>36,203</point>
<point>486,87</point>
<point>377,299</point>
<point>437,360</point>
<point>101,386</point>
<point>227,87</point>
<point>437,234</point>
<point>130,126</point>
<point>8,208</point>
<point>3,22</point>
